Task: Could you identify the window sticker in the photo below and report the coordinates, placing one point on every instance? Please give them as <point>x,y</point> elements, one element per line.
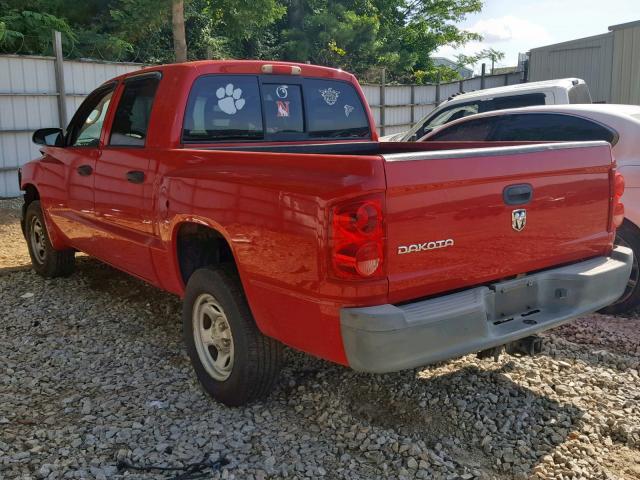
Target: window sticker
<point>282,91</point>
<point>230,99</point>
<point>330,95</point>
<point>347,110</point>
<point>283,108</point>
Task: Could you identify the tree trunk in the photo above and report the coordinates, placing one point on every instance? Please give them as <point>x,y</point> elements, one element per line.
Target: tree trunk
<point>179,37</point>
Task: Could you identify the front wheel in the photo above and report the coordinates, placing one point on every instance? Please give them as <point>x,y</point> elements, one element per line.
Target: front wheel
<point>628,236</point>
<point>46,260</point>
<point>233,360</point>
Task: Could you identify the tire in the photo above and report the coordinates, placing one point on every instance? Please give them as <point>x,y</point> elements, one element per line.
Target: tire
<point>628,235</point>
<point>46,260</point>
<point>234,362</point>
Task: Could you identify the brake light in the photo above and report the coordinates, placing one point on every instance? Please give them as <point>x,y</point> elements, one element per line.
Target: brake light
<point>357,239</point>
<point>617,216</point>
<point>281,69</point>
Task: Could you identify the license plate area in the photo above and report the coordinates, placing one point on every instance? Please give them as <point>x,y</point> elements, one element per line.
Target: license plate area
<point>518,297</point>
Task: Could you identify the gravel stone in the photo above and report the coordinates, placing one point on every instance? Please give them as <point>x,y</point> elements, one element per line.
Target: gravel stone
<point>93,373</point>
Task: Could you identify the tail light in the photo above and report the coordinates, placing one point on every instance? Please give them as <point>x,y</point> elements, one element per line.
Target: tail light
<point>357,239</point>
<point>617,216</point>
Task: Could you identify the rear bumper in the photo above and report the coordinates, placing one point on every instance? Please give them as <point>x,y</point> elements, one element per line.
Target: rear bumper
<point>387,338</point>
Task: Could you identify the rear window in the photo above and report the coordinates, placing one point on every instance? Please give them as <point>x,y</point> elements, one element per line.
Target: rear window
<point>249,107</point>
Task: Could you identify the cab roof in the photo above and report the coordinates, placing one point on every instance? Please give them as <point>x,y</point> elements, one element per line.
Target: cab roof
<point>255,67</point>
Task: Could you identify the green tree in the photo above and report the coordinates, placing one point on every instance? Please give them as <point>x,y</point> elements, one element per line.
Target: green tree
<point>491,54</point>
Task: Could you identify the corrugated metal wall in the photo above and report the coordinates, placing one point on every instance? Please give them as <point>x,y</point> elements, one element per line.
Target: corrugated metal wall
<point>28,101</point>
<point>625,85</point>
<point>586,58</point>
<point>609,63</point>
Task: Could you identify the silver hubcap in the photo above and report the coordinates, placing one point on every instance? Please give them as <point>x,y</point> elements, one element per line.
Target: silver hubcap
<point>212,335</point>
<point>38,245</point>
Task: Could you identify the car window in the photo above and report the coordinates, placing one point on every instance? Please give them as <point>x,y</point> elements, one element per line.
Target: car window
<point>86,125</point>
<point>335,110</point>
<point>462,110</point>
<point>453,113</point>
<point>471,130</point>
<point>550,127</point>
<point>223,107</point>
<point>514,101</point>
<point>132,116</point>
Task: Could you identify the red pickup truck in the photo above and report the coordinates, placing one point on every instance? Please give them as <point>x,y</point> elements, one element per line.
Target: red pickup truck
<point>259,193</point>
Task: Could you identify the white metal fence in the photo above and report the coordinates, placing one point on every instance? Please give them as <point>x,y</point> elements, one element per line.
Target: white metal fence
<point>29,92</point>
<point>29,95</point>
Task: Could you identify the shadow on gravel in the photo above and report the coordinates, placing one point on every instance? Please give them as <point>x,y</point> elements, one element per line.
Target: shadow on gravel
<point>484,420</point>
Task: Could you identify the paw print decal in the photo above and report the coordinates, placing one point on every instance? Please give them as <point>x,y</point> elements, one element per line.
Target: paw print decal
<point>230,99</point>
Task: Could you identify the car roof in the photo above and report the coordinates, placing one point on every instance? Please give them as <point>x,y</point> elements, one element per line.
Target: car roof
<point>564,83</point>
<point>612,111</point>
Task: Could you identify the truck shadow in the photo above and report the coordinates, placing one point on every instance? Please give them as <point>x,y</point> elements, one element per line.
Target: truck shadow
<point>478,419</point>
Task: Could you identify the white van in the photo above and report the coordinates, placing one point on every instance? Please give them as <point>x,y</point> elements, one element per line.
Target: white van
<point>548,92</point>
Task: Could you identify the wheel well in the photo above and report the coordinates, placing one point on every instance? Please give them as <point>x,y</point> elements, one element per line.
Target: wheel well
<point>200,246</point>
<point>30,194</point>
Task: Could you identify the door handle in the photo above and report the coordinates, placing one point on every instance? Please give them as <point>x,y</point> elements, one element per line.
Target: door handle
<point>135,176</point>
<point>85,170</point>
<point>517,194</point>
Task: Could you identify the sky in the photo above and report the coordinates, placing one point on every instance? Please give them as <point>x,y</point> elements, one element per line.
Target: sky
<point>514,26</point>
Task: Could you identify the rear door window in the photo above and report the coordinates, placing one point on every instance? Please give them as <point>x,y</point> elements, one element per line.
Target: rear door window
<point>477,130</point>
<point>131,120</point>
<point>513,101</point>
<point>224,107</point>
<point>551,127</point>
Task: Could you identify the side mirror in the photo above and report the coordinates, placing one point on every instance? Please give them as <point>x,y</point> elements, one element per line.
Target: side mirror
<point>51,137</point>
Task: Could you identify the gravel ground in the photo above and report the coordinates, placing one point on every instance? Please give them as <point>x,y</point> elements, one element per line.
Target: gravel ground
<point>93,372</point>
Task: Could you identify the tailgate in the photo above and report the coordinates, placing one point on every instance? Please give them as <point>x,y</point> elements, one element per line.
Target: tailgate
<point>459,218</point>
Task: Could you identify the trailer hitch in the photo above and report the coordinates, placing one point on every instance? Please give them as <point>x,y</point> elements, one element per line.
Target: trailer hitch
<point>531,346</point>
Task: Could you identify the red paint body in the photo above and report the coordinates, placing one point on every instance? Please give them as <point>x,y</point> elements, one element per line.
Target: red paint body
<point>274,211</point>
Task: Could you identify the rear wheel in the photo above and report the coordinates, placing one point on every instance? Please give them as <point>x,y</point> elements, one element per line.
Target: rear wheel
<point>233,360</point>
<point>46,260</point>
<point>628,235</point>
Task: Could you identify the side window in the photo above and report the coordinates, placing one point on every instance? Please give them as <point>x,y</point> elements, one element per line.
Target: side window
<point>223,107</point>
<point>512,101</point>
<point>335,110</point>
<point>132,116</point>
<point>86,125</point>
<point>551,127</point>
<point>471,130</point>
